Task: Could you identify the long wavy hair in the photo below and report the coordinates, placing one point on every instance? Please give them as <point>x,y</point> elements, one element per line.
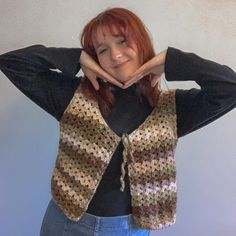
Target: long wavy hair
<point>131,28</point>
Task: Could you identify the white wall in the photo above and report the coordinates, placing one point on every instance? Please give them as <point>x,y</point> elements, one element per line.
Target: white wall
<point>29,136</point>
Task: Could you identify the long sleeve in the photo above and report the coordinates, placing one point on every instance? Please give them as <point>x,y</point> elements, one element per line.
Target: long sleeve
<point>32,71</point>
<point>198,107</point>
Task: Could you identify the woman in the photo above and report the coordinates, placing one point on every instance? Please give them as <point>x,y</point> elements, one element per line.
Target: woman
<point>115,170</point>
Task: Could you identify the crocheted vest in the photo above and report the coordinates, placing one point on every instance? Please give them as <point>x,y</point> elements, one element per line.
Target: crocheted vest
<point>87,144</point>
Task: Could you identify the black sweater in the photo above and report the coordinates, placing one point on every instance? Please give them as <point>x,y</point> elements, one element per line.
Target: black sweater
<point>32,70</point>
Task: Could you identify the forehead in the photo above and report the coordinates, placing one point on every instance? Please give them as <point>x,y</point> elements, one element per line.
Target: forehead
<point>99,35</point>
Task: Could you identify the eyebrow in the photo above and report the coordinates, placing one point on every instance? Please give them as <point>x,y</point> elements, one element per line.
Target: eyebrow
<point>114,35</point>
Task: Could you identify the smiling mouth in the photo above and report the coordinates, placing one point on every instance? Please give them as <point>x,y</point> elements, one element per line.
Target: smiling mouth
<point>120,65</point>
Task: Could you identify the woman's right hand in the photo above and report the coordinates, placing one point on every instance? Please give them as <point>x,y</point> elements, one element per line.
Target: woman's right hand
<point>92,70</point>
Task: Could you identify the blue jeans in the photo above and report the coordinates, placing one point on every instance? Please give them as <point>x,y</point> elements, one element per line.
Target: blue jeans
<point>55,223</point>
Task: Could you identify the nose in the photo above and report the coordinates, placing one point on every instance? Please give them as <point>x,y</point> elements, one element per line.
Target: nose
<point>116,54</point>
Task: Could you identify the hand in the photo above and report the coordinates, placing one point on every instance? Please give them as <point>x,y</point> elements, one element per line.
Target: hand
<point>154,66</point>
<point>92,70</point>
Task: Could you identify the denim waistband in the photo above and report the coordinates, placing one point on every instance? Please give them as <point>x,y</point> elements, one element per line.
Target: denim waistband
<point>97,222</point>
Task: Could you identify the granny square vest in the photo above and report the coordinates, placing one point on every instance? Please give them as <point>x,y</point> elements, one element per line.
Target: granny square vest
<point>87,144</point>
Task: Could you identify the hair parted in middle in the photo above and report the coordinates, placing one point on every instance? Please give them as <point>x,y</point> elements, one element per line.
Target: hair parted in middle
<point>132,28</point>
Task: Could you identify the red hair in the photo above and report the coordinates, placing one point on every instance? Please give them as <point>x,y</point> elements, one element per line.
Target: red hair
<point>132,28</point>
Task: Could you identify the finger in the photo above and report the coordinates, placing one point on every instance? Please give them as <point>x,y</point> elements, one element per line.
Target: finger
<point>139,73</point>
<point>145,69</point>
<point>94,83</point>
<point>104,75</point>
<point>133,80</point>
<point>128,84</point>
<point>91,76</point>
<point>155,80</point>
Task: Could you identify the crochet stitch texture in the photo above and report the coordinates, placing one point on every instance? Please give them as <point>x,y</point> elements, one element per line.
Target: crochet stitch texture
<point>87,144</point>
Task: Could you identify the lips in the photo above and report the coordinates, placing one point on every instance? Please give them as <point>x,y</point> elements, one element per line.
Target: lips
<point>120,64</point>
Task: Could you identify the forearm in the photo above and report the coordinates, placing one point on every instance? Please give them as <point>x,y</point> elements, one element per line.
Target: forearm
<point>196,108</point>
<point>38,59</point>
<point>217,82</point>
<point>29,69</point>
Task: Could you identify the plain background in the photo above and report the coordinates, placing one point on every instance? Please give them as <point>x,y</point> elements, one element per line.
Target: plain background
<point>29,136</point>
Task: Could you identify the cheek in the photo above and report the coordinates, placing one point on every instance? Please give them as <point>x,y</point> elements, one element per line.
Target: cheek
<point>103,62</point>
<point>134,55</point>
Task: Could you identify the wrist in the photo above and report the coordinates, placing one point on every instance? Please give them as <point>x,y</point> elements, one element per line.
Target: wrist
<point>163,56</point>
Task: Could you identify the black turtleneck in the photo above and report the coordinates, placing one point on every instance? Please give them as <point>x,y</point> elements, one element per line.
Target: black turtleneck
<point>130,104</point>
<point>31,70</point>
<point>126,115</point>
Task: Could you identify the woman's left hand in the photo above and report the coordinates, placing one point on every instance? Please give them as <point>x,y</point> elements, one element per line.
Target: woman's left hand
<point>154,66</point>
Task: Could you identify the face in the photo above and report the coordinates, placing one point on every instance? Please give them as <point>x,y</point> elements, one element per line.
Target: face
<point>115,55</point>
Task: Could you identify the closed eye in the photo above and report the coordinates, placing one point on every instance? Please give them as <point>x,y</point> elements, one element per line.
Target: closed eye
<point>122,41</point>
<point>102,51</point>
